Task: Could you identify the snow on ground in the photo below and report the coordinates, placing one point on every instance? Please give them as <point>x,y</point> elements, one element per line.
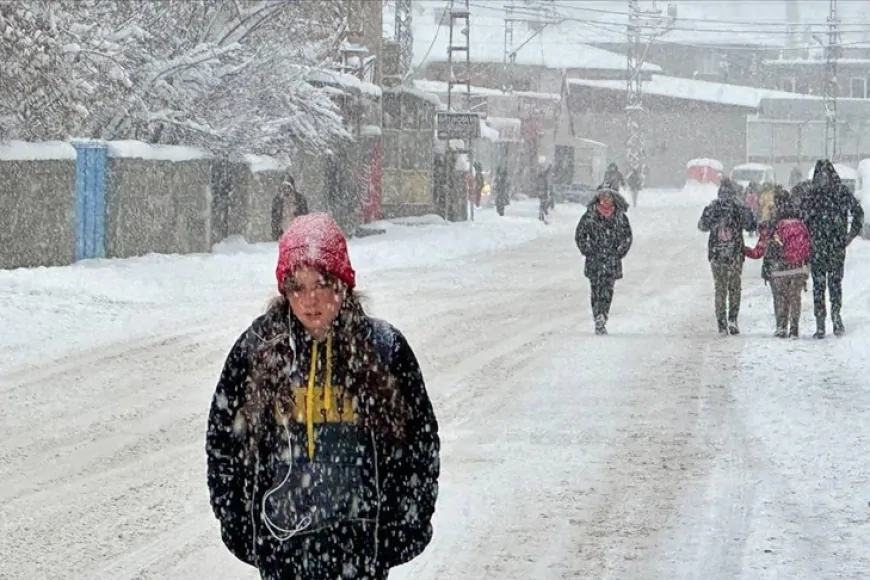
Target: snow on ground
<point>661,451</point>
<point>99,301</point>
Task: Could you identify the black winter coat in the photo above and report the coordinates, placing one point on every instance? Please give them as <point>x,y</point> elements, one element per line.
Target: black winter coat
<point>604,241</point>
<point>367,499</point>
<point>826,210</point>
<point>735,217</point>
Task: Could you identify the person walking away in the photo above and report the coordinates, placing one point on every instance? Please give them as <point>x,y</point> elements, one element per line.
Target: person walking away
<point>542,189</point>
<point>751,199</point>
<point>322,446</point>
<point>501,189</point>
<point>287,205</point>
<point>634,182</point>
<point>613,177</point>
<point>479,182</point>
<point>725,218</point>
<point>604,238</point>
<point>784,243</point>
<point>795,177</point>
<point>827,208</point>
<point>799,191</point>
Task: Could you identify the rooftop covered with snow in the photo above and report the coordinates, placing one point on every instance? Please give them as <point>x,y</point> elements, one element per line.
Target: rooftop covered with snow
<point>555,47</point>
<point>694,90</point>
<point>440,88</point>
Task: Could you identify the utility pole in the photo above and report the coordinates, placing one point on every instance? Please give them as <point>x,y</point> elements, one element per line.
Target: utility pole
<point>832,54</point>
<point>404,35</point>
<point>509,57</point>
<point>459,42</point>
<point>643,27</point>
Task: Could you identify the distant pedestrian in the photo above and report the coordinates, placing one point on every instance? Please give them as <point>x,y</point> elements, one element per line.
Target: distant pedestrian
<point>835,218</point>
<point>726,218</point>
<point>604,237</point>
<point>287,204</point>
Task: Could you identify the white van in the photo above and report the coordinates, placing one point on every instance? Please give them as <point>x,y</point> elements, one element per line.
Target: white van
<point>746,173</point>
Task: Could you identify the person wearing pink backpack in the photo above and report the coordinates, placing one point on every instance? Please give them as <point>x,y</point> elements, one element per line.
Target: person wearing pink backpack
<point>785,245</point>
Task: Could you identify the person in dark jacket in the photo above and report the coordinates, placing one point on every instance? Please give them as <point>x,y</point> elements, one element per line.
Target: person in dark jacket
<point>613,177</point>
<point>542,189</point>
<point>827,209</point>
<point>726,218</point>
<point>287,205</point>
<point>799,191</point>
<point>501,188</point>
<point>322,445</point>
<point>604,237</point>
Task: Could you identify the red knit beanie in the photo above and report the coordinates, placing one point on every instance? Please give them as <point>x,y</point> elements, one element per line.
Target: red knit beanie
<point>314,240</point>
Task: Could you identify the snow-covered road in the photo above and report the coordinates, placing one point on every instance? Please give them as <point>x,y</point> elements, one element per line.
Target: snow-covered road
<point>661,451</point>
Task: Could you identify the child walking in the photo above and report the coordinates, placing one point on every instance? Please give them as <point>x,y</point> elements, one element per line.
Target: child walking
<point>784,244</point>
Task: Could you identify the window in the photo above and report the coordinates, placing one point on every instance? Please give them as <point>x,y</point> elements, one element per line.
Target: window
<point>788,84</point>
<point>858,88</point>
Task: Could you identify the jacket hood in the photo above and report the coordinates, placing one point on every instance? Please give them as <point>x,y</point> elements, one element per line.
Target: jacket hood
<point>728,190</point>
<point>787,209</point>
<point>619,202</point>
<point>825,176</point>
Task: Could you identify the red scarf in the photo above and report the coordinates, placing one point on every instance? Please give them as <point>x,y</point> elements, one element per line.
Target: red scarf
<point>606,209</point>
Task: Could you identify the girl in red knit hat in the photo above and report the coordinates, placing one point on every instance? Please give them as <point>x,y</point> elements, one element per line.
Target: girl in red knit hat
<point>323,448</point>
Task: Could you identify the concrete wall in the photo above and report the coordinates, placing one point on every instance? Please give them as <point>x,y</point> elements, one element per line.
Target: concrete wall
<point>159,199</point>
<point>157,206</point>
<point>251,202</point>
<point>37,213</point>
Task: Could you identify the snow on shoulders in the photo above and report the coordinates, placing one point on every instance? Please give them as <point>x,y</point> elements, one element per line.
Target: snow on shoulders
<point>46,151</point>
<point>141,150</point>
<point>260,163</point>
<point>701,162</point>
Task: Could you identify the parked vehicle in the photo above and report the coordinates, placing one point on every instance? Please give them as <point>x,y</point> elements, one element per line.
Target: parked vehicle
<point>747,173</point>
<point>704,171</point>
<point>578,168</point>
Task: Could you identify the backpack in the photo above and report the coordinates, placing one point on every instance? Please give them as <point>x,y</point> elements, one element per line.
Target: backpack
<point>726,241</point>
<point>794,237</point>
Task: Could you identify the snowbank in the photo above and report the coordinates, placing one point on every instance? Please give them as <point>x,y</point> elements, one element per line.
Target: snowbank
<point>47,151</point>
<point>140,150</point>
<point>259,163</point>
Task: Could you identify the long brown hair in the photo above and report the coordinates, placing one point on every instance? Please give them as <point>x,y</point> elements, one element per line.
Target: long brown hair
<point>360,368</point>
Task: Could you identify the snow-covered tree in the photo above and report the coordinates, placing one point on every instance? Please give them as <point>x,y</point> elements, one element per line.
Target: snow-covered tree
<point>41,97</point>
<point>224,74</point>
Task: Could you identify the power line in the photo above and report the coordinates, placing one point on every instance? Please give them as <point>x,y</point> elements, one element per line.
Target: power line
<point>860,28</point>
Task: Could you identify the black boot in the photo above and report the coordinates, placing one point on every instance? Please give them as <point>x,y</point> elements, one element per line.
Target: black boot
<point>820,327</point>
<point>793,331</point>
<point>837,321</point>
<point>720,324</point>
<point>733,329</point>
